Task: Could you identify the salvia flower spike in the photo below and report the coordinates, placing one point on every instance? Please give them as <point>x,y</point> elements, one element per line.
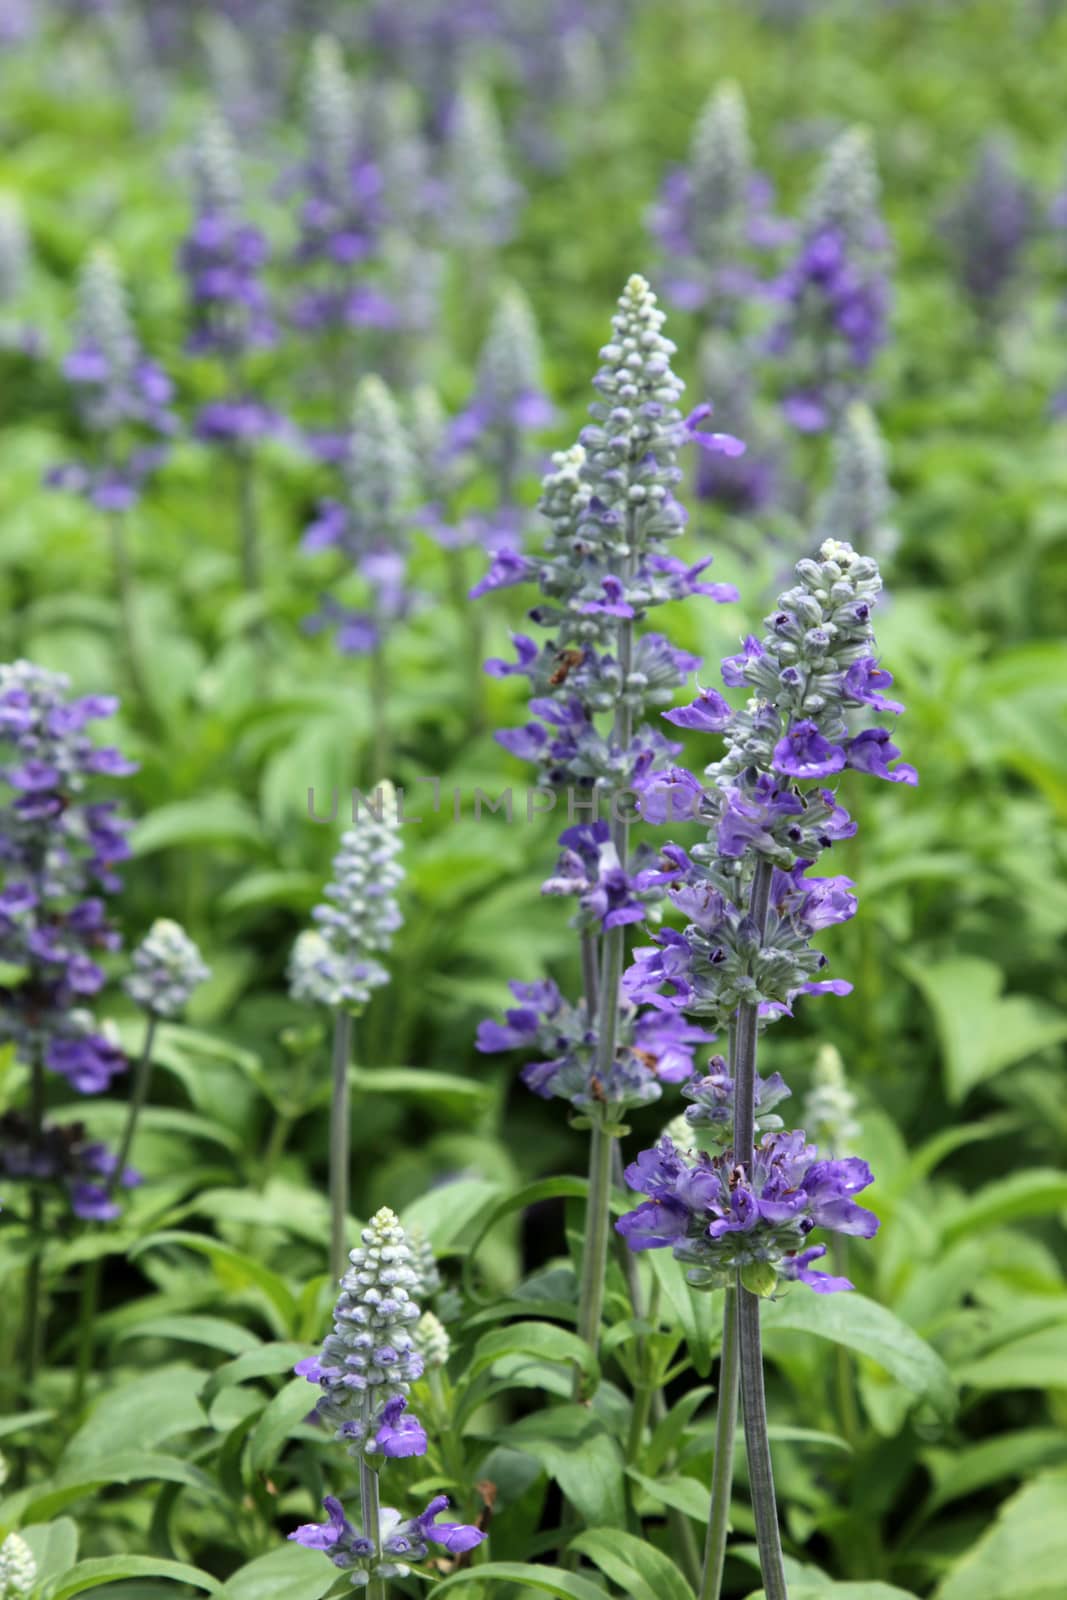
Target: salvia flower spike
<point>365,1371</point>
<point>166,968</point>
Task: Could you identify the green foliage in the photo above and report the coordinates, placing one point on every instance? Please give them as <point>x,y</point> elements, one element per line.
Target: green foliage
<point>917,1423</point>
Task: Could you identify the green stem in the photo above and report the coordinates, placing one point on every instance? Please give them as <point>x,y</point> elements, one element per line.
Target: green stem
<point>370,1509</point>
<point>381,749</point>
<point>595,1255</point>
<point>32,1321</point>
<point>124,587</point>
<point>142,1074</point>
<point>92,1271</point>
<point>339,1144</point>
<point>757,1445</point>
<point>723,1470</point>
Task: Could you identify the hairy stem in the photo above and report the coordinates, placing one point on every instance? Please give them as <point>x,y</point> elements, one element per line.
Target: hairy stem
<point>757,1445</point>
<point>142,1074</point>
<point>92,1272</point>
<point>595,1254</point>
<point>339,1144</point>
<point>722,1475</point>
<point>32,1321</point>
<point>370,1509</point>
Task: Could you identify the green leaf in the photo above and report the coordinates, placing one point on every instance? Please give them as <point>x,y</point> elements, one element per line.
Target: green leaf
<point>548,1580</point>
<point>869,1329</point>
<point>959,1473</point>
<point>262,1362</point>
<point>296,891</point>
<point>213,1333</point>
<point>1036,1361</point>
<point>111,1569</point>
<point>43,1500</point>
<point>1033,1193</point>
<point>460,1097</point>
<point>288,1573</point>
<point>668,1433</point>
<point>28,1419</point>
<point>54,1546</point>
<point>1023,1555</point>
<point>138,1414</point>
<point>640,1570</point>
<point>532,1194</point>
<point>680,1492</point>
<point>981,1032</point>
<point>699,1313</point>
<point>222,820</point>
<point>576,1450</point>
<point>537,1339</point>
<point>234,1269</point>
<point>279,1419</point>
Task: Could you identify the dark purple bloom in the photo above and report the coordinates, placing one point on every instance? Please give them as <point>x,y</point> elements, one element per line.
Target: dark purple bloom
<point>872,751</point>
<point>399,1434</point>
<point>708,713</point>
<point>805,753</point>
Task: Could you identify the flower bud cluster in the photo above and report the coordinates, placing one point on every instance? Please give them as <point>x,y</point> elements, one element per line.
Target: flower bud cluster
<point>483,197</point>
<point>121,397</point>
<point>333,964</point>
<point>713,218</point>
<point>167,967</point>
<point>612,512</point>
<point>18,1568</point>
<point>64,1158</point>
<point>855,507</point>
<point>370,526</point>
<point>369,1362</point>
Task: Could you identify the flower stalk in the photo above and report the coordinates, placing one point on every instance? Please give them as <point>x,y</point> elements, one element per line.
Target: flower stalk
<point>340,1123</point>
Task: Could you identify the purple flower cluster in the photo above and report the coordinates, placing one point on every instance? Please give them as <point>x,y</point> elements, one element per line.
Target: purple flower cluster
<point>834,293</point>
<point>365,1370</point>
<point>990,224</point>
<point>722,1218</point>
<point>809,676</point>
<point>612,513</point>
<point>399,1542</point>
<point>713,220</point>
<point>122,399</point>
<point>222,258</point>
<point>59,848</point>
<point>509,401</point>
<point>61,1154</point>
<point>370,525</point>
<point>652,1048</point>
<point>341,212</point>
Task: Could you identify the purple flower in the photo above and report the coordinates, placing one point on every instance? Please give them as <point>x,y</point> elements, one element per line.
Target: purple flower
<point>508,568</point>
<point>734,673</point>
<point>399,1435</point>
<point>864,682</point>
<point>871,751</point>
<point>456,1537</point>
<point>805,753</point>
<point>708,713</point>
<point>328,1535</point>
